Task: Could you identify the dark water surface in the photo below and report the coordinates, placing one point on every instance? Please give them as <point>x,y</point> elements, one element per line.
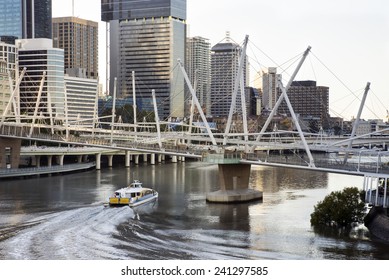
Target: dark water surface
<point>63,217</point>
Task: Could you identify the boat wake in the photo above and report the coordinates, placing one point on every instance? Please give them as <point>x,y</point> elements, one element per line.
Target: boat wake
<point>85,233</point>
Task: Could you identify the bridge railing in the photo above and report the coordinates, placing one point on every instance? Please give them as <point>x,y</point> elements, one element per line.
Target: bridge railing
<point>24,132</point>
<point>322,161</point>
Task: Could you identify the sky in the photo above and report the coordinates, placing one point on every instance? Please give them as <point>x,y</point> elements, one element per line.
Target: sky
<point>349,40</point>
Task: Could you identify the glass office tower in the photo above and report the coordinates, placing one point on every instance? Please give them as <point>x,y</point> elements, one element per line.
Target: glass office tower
<point>11,23</point>
<point>38,56</point>
<point>38,17</point>
<point>148,37</point>
<point>25,18</point>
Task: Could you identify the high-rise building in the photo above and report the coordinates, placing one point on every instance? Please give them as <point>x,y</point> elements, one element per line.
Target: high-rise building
<point>148,37</point>
<point>198,67</point>
<point>8,65</point>
<point>11,18</point>
<point>38,56</point>
<point>270,88</point>
<point>308,100</point>
<point>79,38</point>
<point>225,58</point>
<point>25,18</point>
<point>5,89</point>
<point>81,100</point>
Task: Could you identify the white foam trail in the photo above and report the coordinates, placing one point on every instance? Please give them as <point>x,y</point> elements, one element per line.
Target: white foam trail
<point>85,233</point>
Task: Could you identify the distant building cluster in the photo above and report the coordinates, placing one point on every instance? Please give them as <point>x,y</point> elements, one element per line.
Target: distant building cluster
<point>146,40</point>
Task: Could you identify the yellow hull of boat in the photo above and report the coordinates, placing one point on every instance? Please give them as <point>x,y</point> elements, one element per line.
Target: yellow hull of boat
<point>119,201</point>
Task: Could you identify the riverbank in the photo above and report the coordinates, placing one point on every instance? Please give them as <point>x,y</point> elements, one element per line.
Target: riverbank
<point>377,221</point>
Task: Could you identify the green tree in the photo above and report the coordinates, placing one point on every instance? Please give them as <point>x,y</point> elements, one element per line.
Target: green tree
<point>340,208</point>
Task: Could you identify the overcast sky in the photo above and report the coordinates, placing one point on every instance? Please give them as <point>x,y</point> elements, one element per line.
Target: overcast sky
<point>349,40</point>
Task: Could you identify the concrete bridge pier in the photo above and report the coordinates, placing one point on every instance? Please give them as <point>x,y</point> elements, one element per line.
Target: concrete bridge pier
<point>234,183</point>
<point>136,159</point>
<point>49,160</point>
<point>152,159</point>
<point>60,159</point>
<point>128,159</point>
<point>38,161</point>
<point>110,160</point>
<point>98,161</point>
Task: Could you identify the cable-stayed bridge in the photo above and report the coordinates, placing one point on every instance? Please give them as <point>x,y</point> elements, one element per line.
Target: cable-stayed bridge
<point>358,155</point>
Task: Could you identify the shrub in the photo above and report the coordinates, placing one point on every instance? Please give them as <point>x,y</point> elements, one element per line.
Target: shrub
<point>340,208</point>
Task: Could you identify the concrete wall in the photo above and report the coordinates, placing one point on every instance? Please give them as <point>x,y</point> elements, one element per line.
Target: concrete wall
<point>234,176</point>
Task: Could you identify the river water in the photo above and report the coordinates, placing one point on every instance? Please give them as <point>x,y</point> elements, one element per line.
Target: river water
<point>63,217</point>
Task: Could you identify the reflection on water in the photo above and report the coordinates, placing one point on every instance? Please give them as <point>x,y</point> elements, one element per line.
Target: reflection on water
<point>63,217</point>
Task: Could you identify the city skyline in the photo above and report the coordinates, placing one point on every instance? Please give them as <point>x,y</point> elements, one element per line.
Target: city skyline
<point>348,48</point>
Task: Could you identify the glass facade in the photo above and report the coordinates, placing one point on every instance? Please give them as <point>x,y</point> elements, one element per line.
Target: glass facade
<point>137,9</point>
<point>26,18</point>
<point>11,18</point>
<point>150,49</point>
<point>37,59</point>
<point>39,14</point>
<point>148,37</point>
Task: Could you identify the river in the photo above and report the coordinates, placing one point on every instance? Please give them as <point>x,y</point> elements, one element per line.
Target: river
<point>63,217</point>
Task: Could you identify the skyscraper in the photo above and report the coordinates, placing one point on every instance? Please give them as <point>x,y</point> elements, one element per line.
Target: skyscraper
<point>270,88</point>
<point>8,66</point>
<point>11,16</point>
<point>79,39</point>
<point>148,37</point>
<point>25,18</point>
<point>198,66</point>
<point>224,69</point>
<point>308,100</point>
<point>38,56</point>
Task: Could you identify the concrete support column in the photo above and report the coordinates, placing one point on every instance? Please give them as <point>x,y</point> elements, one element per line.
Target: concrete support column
<point>79,159</point>
<point>49,160</point>
<point>127,159</point>
<point>136,159</point>
<point>98,161</point>
<point>144,157</point>
<point>110,160</point>
<point>152,159</point>
<point>159,158</point>
<point>174,159</point>
<point>183,159</point>
<point>60,159</point>
<point>38,161</point>
<point>234,183</point>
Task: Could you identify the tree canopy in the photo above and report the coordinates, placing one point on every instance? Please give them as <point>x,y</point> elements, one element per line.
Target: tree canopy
<point>340,208</point>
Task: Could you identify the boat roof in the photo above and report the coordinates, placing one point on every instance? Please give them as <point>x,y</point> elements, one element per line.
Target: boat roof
<point>136,184</point>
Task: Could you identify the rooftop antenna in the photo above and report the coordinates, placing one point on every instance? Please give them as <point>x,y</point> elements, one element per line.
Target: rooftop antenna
<point>228,36</point>
<point>72,8</point>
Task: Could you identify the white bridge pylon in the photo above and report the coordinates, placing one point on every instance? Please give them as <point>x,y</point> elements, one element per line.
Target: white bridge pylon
<point>118,135</point>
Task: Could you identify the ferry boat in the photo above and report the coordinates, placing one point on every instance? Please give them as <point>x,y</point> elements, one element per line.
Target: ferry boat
<point>133,195</point>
